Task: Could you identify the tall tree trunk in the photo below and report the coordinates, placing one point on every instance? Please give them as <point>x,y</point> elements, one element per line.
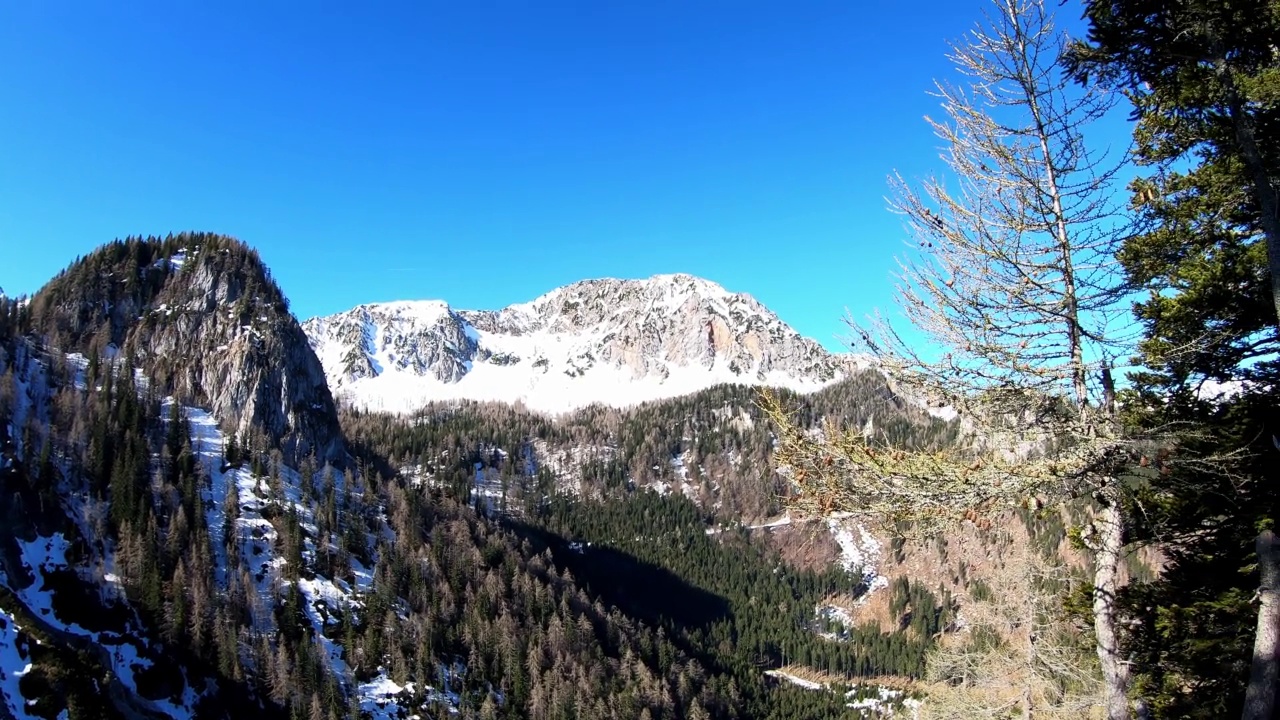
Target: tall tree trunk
<point>1056,217</point>
<point>1115,671</point>
<point>1260,699</point>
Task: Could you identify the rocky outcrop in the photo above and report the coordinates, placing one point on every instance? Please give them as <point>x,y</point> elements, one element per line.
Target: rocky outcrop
<point>423,338</point>
<point>670,321</point>
<point>202,318</point>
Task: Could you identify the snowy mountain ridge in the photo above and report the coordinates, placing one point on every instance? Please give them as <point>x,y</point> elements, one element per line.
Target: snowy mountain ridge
<point>608,341</point>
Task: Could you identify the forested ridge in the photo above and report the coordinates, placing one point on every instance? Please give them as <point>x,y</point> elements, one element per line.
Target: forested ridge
<point>719,438</point>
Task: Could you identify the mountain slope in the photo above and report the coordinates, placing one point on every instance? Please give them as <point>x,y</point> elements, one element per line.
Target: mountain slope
<point>613,342</point>
<point>200,315</point>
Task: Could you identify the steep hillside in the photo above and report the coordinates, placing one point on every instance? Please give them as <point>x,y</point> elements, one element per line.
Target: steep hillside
<point>612,342</point>
<point>150,569</point>
<point>201,317</point>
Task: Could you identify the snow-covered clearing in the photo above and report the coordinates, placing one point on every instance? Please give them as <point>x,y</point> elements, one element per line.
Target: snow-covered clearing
<point>876,700</point>
<point>859,551</point>
<point>883,702</point>
<point>782,521</point>
<point>384,699</point>
<point>490,488</point>
<point>795,679</point>
<point>682,483</point>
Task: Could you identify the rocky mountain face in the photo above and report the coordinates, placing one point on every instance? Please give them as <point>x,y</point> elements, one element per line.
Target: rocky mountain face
<point>613,342</point>
<point>204,321</point>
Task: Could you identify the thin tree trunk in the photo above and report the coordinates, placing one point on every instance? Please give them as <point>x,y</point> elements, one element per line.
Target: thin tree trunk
<point>1115,672</point>
<point>1058,219</point>
<point>1028,704</point>
<point>1260,699</point>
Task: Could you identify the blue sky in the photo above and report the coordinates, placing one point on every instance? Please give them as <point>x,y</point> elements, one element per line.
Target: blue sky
<point>478,152</point>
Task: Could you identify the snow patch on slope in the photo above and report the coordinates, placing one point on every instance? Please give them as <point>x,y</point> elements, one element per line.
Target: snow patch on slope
<point>128,652</point>
<point>860,554</point>
<point>871,700</point>
<point>795,679</point>
<point>880,700</point>
<point>14,663</point>
<point>384,699</point>
<point>859,551</point>
<point>254,536</point>
<point>324,599</point>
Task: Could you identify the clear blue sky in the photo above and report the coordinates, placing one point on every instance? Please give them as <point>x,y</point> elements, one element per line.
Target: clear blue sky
<point>478,152</point>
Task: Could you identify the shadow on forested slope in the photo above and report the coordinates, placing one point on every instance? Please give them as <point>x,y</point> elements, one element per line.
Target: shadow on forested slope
<point>640,589</point>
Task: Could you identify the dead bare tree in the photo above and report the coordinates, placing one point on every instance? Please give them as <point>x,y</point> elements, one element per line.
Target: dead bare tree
<point>1018,651</point>
<point>1017,313</point>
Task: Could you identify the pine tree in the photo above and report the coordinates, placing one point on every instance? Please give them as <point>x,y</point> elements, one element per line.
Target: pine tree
<point>231,454</point>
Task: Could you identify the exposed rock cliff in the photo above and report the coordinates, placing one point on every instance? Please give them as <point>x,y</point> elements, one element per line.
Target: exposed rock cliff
<point>201,317</point>
<point>614,342</point>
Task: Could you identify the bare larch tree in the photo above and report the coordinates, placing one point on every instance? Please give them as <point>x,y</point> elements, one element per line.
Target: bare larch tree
<point>1016,309</point>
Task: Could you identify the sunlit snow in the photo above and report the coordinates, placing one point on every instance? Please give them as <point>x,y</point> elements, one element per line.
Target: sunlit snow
<point>541,358</point>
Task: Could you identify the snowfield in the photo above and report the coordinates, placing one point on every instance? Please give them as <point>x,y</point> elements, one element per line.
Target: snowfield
<point>542,388</point>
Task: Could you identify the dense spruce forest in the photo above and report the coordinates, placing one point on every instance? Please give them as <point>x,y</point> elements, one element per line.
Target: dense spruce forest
<point>726,597</point>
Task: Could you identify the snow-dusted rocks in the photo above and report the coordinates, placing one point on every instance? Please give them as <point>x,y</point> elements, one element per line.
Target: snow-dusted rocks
<point>614,342</point>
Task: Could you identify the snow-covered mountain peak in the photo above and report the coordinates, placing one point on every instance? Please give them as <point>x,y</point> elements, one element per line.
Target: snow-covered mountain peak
<point>684,283</point>
<point>425,311</point>
<point>610,341</point>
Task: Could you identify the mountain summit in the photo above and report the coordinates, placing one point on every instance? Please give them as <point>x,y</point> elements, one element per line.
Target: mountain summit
<point>608,341</point>
<point>200,315</point>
